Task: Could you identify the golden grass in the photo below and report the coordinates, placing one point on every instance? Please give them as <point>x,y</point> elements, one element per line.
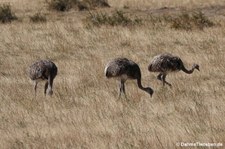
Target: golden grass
<point>84,111</point>
<point>142,4</point>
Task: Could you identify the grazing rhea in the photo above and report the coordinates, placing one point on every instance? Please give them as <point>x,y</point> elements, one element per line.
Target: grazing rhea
<point>166,63</point>
<point>43,70</point>
<point>124,69</point>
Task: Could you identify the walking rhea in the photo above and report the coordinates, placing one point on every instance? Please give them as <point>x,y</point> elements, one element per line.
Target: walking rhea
<point>166,63</point>
<point>43,70</point>
<point>124,69</point>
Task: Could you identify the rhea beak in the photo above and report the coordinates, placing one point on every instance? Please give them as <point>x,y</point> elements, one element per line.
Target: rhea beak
<point>151,95</point>
<point>198,69</point>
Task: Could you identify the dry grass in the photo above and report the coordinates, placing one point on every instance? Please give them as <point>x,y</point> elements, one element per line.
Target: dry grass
<point>143,4</point>
<point>84,111</point>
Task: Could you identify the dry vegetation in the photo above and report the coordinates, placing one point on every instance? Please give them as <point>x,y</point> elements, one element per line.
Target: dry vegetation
<point>84,111</point>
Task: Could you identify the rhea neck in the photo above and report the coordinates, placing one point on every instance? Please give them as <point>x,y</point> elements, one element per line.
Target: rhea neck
<point>189,71</point>
<point>140,85</point>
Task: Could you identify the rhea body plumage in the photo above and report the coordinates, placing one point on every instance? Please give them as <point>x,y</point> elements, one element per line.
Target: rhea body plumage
<point>43,70</point>
<point>166,63</point>
<point>123,69</point>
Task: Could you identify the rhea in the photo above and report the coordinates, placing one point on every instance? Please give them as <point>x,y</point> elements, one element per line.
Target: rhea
<point>123,69</point>
<point>166,63</point>
<point>43,70</point>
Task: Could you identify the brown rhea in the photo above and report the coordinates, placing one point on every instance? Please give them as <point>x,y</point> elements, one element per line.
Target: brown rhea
<point>123,69</point>
<point>166,63</point>
<point>43,70</point>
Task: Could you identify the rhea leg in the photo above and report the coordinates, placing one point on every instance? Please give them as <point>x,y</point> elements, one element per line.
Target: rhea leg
<point>50,85</point>
<point>159,77</point>
<point>122,89</point>
<point>46,86</point>
<point>35,87</point>
<point>164,80</point>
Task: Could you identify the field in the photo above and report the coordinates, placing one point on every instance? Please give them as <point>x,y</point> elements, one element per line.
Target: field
<point>84,111</point>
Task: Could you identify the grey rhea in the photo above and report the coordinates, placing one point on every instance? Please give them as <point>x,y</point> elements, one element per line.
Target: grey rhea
<point>43,70</point>
<point>166,63</point>
<point>124,69</point>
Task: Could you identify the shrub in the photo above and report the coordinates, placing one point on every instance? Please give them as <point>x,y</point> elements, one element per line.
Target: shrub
<point>61,5</point>
<point>64,5</point>
<point>117,18</point>
<point>91,4</point>
<point>38,17</point>
<point>190,21</point>
<point>98,3</point>
<point>184,21</point>
<point>6,14</point>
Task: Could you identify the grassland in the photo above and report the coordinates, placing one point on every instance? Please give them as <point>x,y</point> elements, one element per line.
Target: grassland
<point>84,111</point>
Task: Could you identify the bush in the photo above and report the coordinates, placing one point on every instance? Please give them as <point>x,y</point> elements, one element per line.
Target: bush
<point>91,4</point>
<point>61,5</point>
<point>190,21</point>
<point>6,14</point>
<point>184,21</point>
<point>97,3</point>
<point>117,18</point>
<point>64,5</point>
<point>38,17</point>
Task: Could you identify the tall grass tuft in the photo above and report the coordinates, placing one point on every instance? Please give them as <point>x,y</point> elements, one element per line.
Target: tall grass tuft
<point>38,17</point>
<point>191,21</point>
<point>65,5</point>
<point>117,18</point>
<point>6,14</point>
